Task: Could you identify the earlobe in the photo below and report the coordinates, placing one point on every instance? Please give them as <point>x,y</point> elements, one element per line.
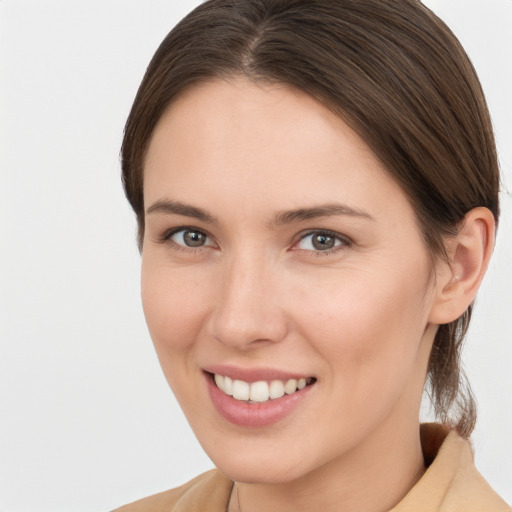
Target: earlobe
<point>459,279</point>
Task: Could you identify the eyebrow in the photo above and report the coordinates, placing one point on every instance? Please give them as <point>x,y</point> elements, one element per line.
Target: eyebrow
<point>177,208</point>
<point>326,210</point>
<point>284,217</point>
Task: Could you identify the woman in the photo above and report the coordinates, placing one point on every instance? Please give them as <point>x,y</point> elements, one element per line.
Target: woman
<point>316,189</point>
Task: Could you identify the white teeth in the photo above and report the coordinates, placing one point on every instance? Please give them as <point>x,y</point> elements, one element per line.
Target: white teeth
<point>290,386</point>
<point>259,391</point>
<point>219,380</point>
<point>228,386</point>
<point>276,389</point>
<point>241,390</point>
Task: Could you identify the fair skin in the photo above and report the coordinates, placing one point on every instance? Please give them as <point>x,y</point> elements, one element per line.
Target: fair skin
<point>276,242</point>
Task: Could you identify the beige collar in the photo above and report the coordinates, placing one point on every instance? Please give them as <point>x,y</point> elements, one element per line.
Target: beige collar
<point>450,484</point>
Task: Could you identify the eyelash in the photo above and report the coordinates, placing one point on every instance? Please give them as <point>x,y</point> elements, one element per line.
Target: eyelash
<point>345,242</point>
<point>166,238</point>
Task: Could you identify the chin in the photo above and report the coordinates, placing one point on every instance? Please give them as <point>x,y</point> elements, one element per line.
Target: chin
<point>255,472</point>
<point>260,461</point>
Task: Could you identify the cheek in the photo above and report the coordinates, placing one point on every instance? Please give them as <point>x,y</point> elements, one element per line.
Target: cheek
<point>369,331</point>
<point>174,304</point>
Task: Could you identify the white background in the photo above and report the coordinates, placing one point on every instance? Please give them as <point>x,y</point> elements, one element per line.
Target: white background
<point>86,419</point>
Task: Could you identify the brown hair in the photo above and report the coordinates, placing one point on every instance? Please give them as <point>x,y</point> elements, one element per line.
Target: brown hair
<point>393,71</point>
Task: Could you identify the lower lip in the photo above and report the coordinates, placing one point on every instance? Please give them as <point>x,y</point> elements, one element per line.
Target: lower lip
<point>243,414</point>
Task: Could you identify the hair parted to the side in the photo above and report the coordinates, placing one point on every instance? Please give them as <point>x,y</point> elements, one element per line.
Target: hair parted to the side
<point>390,69</point>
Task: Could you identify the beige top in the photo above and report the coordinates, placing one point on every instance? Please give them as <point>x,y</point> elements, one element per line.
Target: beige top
<point>450,484</point>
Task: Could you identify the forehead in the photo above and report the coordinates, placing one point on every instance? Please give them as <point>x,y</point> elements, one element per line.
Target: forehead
<point>220,118</point>
<point>267,142</point>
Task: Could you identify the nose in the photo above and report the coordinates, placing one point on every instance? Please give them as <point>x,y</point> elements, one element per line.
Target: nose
<point>247,312</point>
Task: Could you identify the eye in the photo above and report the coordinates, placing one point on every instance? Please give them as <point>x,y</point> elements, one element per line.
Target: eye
<point>321,241</point>
<point>189,237</point>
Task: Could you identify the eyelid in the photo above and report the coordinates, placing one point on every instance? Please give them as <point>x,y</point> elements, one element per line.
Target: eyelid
<point>166,238</point>
<point>344,239</point>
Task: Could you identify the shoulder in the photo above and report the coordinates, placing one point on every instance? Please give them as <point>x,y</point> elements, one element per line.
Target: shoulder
<point>451,482</point>
<point>208,492</point>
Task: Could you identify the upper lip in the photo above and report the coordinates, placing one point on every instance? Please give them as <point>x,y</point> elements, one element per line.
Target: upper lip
<point>253,374</point>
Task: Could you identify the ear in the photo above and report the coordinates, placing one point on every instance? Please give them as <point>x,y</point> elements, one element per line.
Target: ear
<point>458,280</point>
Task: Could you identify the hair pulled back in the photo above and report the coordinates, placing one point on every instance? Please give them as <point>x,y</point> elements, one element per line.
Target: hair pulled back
<point>391,70</point>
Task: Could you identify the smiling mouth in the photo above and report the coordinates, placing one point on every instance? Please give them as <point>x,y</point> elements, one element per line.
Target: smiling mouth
<point>260,391</point>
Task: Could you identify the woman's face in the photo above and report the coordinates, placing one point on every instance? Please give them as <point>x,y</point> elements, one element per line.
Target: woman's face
<point>276,249</point>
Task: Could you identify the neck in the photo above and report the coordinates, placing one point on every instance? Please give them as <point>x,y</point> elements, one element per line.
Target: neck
<point>373,478</point>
